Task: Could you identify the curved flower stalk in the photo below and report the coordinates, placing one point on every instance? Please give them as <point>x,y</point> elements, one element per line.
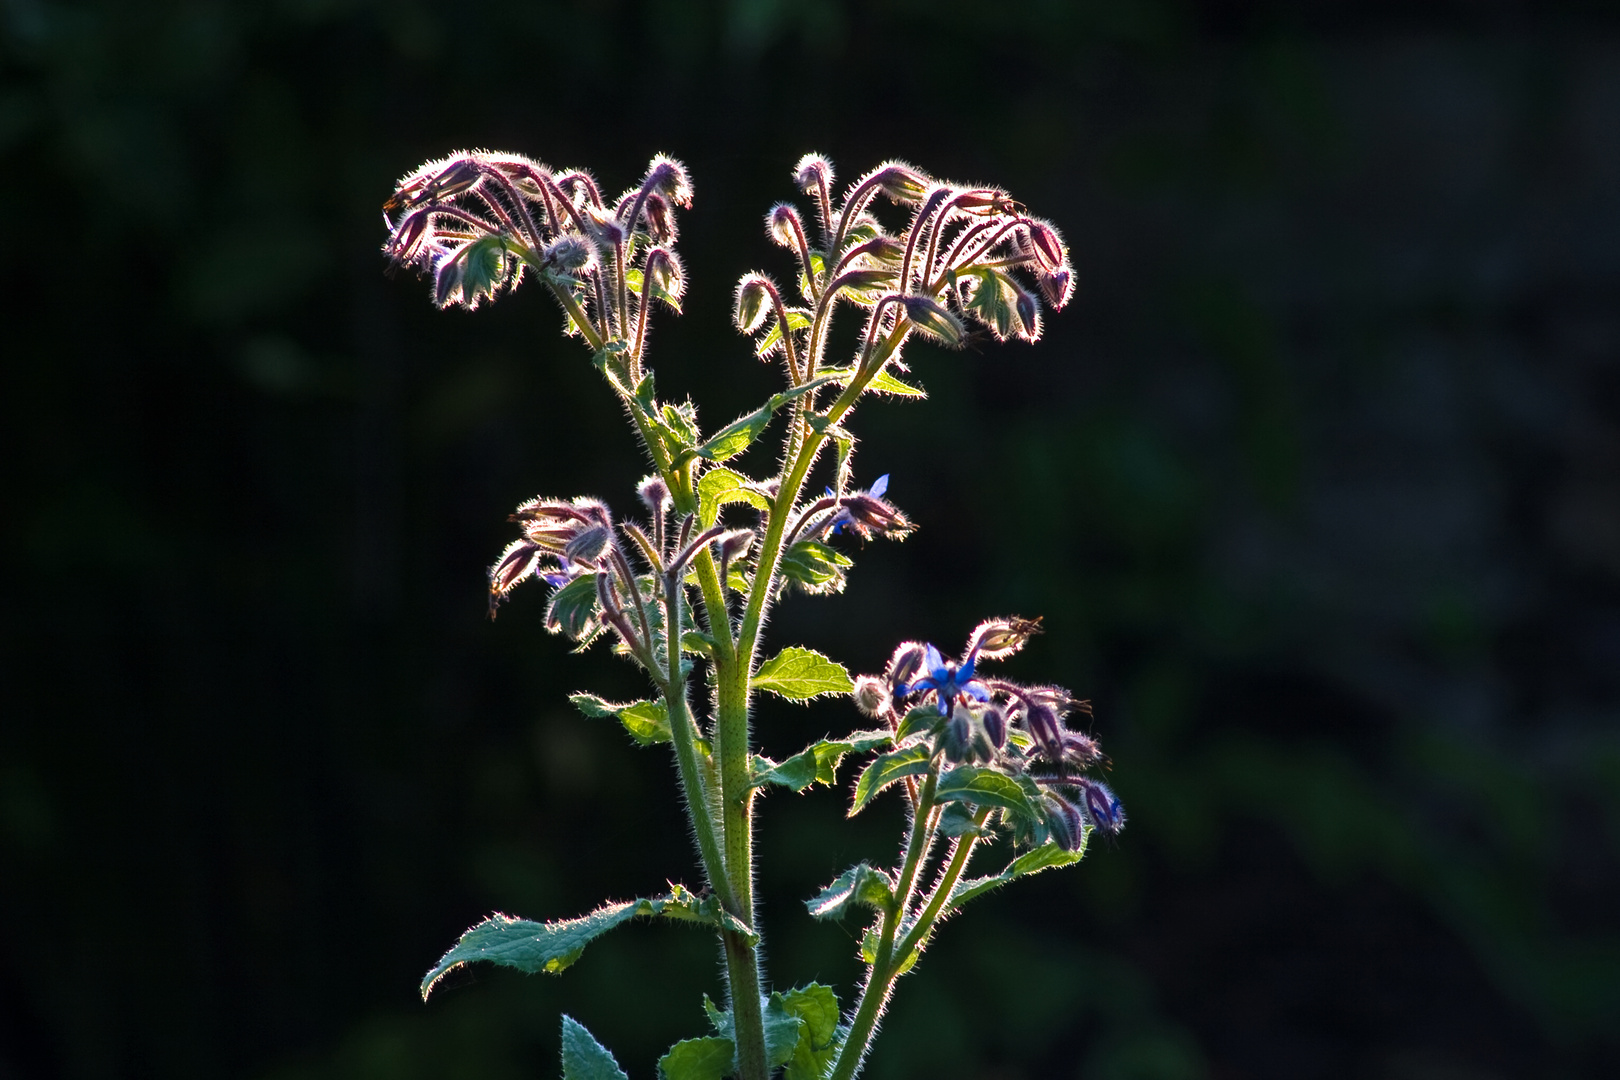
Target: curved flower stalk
<point>688,581</point>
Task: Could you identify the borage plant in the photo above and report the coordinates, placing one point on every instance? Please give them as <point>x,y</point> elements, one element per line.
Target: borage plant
<point>983,763</point>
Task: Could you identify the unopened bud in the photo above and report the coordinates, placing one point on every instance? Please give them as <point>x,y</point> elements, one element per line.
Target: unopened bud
<point>900,182</point>
<point>1045,726</point>
<point>609,229</point>
<point>1064,821</point>
<point>568,253</point>
<point>1102,807</point>
<point>871,696</point>
<point>784,226</point>
<point>996,639</point>
<point>660,218</point>
<point>752,304</point>
<point>1057,287</point>
<point>995,726</point>
<point>931,317</point>
<point>735,544</point>
<point>587,546</point>
<point>668,177</point>
<point>655,494</point>
<point>812,172</point>
<point>956,737</point>
<point>447,280</point>
<point>665,272</point>
<point>1047,246</point>
<point>1028,310</point>
<point>905,663</point>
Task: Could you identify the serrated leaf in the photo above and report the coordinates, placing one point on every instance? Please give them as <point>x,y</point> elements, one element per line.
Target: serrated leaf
<point>801,674</point>
<point>583,1058</point>
<point>817,1006</point>
<point>816,566</point>
<point>984,787</point>
<point>708,1058</point>
<point>886,769</point>
<point>720,486</point>
<point>1045,857</point>
<point>553,946</point>
<point>738,435</point>
<point>882,382</point>
<point>862,885</point>
<point>571,611</point>
<point>646,721</point>
<point>816,763</point>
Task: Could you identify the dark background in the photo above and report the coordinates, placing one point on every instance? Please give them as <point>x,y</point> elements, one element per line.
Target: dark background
<point>1316,484</point>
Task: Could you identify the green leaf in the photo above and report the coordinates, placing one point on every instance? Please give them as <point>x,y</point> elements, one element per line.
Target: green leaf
<point>572,608</point>
<point>801,674</point>
<point>817,1007</point>
<point>738,435</point>
<point>924,719</point>
<point>816,566</point>
<point>957,820</point>
<point>816,763</point>
<point>985,787</point>
<point>798,319</point>
<point>861,885</point>
<point>553,946</point>
<point>992,303</point>
<point>708,1058</point>
<point>583,1058</point>
<point>882,382</point>
<point>886,769</point>
<point>720,486</point>
<point>682,419</point>
<point>781,1028</point>
<point>646,721</point>
<point>1044,857</point>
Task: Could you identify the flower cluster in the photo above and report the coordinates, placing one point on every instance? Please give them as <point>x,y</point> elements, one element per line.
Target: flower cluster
<point>1012,728</point>
<point>967,253</point>
<point>475,220</point>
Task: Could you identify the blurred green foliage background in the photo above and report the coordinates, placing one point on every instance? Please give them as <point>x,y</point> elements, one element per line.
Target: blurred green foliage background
<point>1317,486</point>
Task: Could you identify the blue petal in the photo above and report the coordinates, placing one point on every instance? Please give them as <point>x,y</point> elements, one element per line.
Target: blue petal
<point>935,664</point>
<point>944,704</point>
<point>977,691</point>
<point>965,672</point>
<point>878,488</point>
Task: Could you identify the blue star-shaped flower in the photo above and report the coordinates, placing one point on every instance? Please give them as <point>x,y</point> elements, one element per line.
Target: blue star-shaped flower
<point>947,680</point>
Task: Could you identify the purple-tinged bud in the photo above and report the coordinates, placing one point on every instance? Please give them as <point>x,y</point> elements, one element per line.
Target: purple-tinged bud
<point>660,218</point>
<point>1080,751</point>
<point>1064,821</point>
<point>753,302</point>
<point>664,270</point>
<point>1045,726</point>
<point>586,546</point>
<point>1057,287</point>
<point>655,494</point>
<point>956,737</point>
<point>668,177</point>
<point>1047,246</point>
<point>1102,807</point>
<point>517,562</point>
<point>784,225</point>
<point>1028,310</point>
<point>997,639</point>
<point>871,696</point>
<point>995,726</point>
<point>905,663</point>
<point>568,253</point>
<point>900,182</point>
<point>735,544</point>
<point>447,277</point>
<point>812,173</point>
<point>931,317</point>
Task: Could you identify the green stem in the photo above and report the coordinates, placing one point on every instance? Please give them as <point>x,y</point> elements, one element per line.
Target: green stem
<point>885,965</point>
<point>960,854</point>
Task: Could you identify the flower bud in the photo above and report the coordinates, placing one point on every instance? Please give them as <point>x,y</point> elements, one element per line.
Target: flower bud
<point>668,177</point>
<point>1057,287</point>
<point>931,317</point>
<point>447,277</point>
<point>784,225</point>
<point>660,218</point>
<point>609,229</point>
<point>1064,821</point>
<point>1028,309</point>
<point>996,639</point>
<point>735,544</point>
<point>905,663</point>
<point>900,182</point>
<point>871,696</point>
<point>655,494</point>
<point>1047,246</point>
<point>956,737</point>
<point>752,303</point>
<point>1102,807</point>
<point>586,546</point>
<point>515,563</point>
<point>813,172</point>
<point>1045,726</point>
<point>664,271</point>
<point>995,726</point>
<point>1080,751</point>
<point>568,253</point>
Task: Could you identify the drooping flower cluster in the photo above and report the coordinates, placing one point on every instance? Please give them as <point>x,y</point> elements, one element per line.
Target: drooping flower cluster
<point>1010,727</point>
<point>967,253</point>
<point>475,220</point>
